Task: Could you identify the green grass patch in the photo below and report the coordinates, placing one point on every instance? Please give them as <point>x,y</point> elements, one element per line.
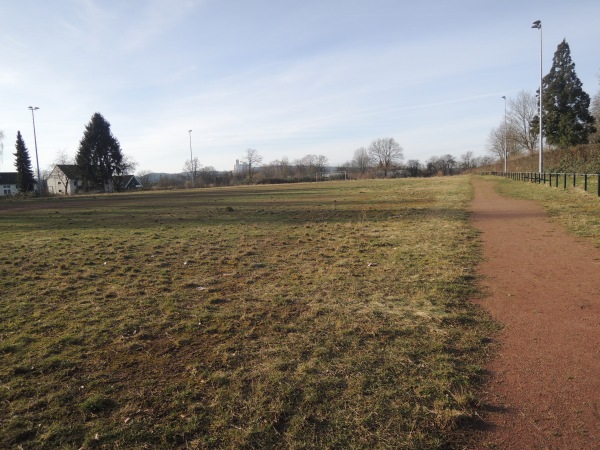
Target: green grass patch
<point>331,315</point>
<point>577,210</point>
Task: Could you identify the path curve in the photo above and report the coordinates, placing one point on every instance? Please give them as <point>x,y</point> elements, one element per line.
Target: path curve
<point>544,287</point>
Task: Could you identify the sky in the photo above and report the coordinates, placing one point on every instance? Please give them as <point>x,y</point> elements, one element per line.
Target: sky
<point>287,78</point>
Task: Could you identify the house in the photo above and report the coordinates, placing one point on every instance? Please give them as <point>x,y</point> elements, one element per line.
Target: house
<point>66,179</point>
<point>128,182</point>
<point>8,183</point>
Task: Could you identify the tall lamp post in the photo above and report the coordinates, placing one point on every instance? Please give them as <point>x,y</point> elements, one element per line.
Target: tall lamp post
<point>538,24</point>
<point>37,161</point>
<point>505,139</point>
<point>191,159</point>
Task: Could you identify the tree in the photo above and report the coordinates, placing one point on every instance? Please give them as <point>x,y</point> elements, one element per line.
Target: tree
<point>25,177</point>
<point>441,165</point>
<point>321,164</point>
<point>595,110</point>
<point>362,161</point>
<point>99,157</point>
<point>467,161</point>
<point>252,158</point>
<point>145,177</point>
<point>191,168</point>
<point>520,116</point>
<point>498,138</point>
<point>387,153</point>
<point>567,119</point>
<point>413,167</point>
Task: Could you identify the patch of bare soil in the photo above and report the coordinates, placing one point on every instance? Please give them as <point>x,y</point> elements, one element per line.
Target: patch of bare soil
<point>544,287</point>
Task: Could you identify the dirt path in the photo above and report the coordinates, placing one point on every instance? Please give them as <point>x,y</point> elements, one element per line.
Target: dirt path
<point>544,286</point>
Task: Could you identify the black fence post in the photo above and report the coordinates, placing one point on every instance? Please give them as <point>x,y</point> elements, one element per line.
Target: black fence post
<point>599,185</point>
<point>585,182</point>
<point>574,181</point>
<point>565,181</point>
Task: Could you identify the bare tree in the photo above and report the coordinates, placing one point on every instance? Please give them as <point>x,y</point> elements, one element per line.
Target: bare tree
<point>191,169</point>
<point>413,166</point>
<point>306,167</point>
<point>467,161</point>
<point>252,158</point>
<point>144,177</point>
<point>441,165</point>
<point>321,163</point>
<point>595,110</point>
<point>387,153</point>
<point>498,138</point>
<point>362,161</point>
<point>521,113</point>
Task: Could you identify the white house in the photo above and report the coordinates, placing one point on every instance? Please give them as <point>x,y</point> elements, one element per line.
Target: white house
<point>64,179</point>
<point>8,183</point>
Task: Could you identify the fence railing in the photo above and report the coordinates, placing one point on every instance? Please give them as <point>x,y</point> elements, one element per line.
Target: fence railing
<point>590,182</point>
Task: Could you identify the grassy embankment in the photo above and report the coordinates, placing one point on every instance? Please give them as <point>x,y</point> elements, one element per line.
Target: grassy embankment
<point>578,211</point>
<point>304,316</point>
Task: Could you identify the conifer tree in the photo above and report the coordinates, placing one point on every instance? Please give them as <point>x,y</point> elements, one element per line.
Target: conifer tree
<point>25,177</point>
<point>567,118</point>
<point>99,157</point>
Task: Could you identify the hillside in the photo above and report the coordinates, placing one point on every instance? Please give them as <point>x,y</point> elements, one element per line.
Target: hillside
<point>580,159</point>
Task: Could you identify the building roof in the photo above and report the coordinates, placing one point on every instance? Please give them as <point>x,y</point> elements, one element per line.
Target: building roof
<point>8,178</point>
<point>127,181</point>
<point>70,170</point>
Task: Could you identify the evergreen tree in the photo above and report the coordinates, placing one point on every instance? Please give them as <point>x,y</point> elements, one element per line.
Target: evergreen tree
<point>99,157</point>
<point>567,119</point>
<point>25,177</point>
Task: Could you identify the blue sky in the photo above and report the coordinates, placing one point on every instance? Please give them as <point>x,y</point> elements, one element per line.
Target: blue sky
<point>288,78</point>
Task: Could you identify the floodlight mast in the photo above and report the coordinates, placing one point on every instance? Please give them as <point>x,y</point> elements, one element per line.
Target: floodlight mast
<point>505,139</point>
<point>37,161</point>
<point>538,25</point>
<point>191,159</point>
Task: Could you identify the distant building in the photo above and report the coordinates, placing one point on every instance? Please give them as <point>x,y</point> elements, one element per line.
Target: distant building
<point>240,167</point>
<point>8,183</point>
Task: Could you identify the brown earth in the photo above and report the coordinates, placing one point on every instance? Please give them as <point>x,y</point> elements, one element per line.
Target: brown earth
<point>543,285</point>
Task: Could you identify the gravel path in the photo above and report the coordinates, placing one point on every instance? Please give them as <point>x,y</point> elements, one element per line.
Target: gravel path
<point>544,287</point>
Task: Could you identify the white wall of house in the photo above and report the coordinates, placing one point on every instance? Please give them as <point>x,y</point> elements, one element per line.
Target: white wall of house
<point>56,183</point>
<point>8,189</point>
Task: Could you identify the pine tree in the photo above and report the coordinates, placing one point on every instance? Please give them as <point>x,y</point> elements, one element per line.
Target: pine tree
<point>567,119</point>
<point>99,157</point>
<point>25,177</point>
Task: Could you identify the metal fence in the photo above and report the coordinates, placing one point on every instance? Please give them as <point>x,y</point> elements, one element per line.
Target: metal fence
<point>590,182</point>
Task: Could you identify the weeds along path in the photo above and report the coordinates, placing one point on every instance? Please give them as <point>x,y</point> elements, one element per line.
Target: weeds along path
<point>544,287</point>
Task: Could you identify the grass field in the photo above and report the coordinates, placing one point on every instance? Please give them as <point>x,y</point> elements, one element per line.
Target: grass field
<point>330,315</point>
<point>575,209</point>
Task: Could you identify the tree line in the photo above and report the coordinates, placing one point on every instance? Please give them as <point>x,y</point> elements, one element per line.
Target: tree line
<point>381,159</point>
<point>569,115</point>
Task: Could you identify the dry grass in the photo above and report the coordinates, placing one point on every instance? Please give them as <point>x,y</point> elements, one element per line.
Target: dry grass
<point>330,315</point>
<point>575,209</point>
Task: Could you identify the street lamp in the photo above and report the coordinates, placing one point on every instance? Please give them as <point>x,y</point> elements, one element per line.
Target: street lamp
<point>37,161</point>
<point>538,24</point>
<point>191,158</point>
<point>505,139</point>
